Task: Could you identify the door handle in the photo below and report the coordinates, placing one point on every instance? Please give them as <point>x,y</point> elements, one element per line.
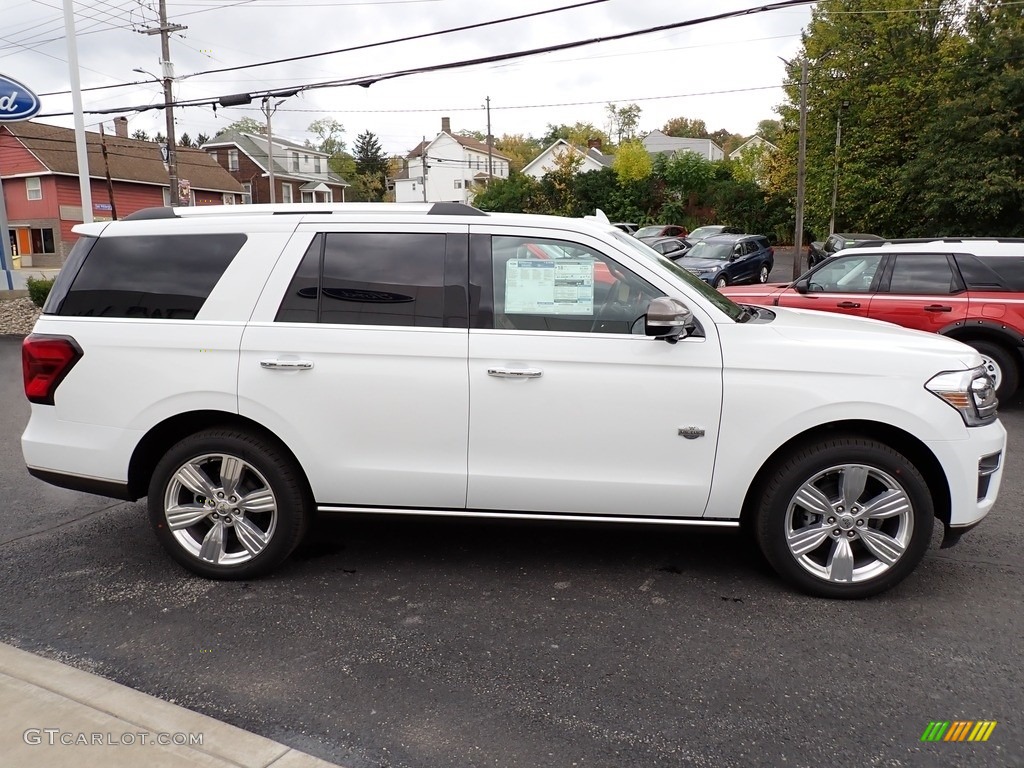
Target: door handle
<point>286,365</point>
<point>515,373</point>
<point>848,305</point>
<point>937,308</point>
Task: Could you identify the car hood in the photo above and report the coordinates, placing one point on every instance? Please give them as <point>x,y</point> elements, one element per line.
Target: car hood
<point>759,293</point>
<point>874,338</point>
<point>687,262</point>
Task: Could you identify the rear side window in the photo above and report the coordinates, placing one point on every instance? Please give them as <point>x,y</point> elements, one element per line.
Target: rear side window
<point>923,273</point>
<point>144,276</point>
<point>998,273</point>
<point>369,278</point>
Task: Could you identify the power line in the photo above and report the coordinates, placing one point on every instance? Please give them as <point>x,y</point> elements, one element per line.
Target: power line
<point>367,80</point>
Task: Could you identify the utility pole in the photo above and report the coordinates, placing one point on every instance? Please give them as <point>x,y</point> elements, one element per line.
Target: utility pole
<point>268,110</point>
<point>835,171</point>
<point>106,170</point>
<point>423,159</point>
<point>167,73</point>
<point>801,173</point>
<point>490,146</point>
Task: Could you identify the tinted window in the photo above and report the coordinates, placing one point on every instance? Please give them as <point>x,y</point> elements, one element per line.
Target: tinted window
<point>149,276</point>
<point>554,285</point>
<point>922,273</point>
<point>993,272</point>
<point>369,279</point>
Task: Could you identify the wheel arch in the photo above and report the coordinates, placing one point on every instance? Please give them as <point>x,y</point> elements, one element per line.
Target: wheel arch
<point>900,440</point>
<point>161,437</point>
<point>986,330</point>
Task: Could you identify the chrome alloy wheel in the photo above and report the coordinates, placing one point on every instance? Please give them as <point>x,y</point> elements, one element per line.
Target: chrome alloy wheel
<point>220,509</point>
<point>849,523</point>
<point>992,368</point>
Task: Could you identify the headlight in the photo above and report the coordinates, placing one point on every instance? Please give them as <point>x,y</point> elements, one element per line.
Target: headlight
<point>971,392</point>
<point>708,270</point>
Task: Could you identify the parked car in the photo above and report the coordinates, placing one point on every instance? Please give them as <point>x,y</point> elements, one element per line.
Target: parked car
<point>245,370</point>
<point>722,260</point>
<point>712,229</point>
<point>658,231</point>
<point>673,247</point>
<point>819,251</point>
<point>971,290</point>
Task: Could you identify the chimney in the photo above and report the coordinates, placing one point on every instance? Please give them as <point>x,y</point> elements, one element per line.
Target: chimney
<point>446,125</point>
<point>594,144</point>
<point>121,127</point>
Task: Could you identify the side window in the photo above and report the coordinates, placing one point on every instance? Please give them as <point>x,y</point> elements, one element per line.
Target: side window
<point>149,276</point>
<point>555,285</point>
<point>922,273</point>
<point>750,247</point>
<point>846,274</point>
<point>369,278</point>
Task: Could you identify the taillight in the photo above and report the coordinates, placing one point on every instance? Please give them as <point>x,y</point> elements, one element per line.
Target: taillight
<point>45,361</point>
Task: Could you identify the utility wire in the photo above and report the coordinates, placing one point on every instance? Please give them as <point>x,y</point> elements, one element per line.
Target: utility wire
<point>368,80</point>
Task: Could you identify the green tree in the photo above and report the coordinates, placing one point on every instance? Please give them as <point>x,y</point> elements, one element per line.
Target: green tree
<point>140,135</point>
<point>245,125</point>
<point>328,132</point>
<point>516,194</point>
<point>371,165</point>
<point>519,149</point>
<point>685,128</point>
<point>623,121</point>
<point>578,134</point>
<point>201,139</point>
<point>769,130</point>
<point>185,141</point>
<point>632,163</point>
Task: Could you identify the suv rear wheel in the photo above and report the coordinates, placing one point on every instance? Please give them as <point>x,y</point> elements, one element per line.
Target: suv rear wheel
<point>226,504</point>
<point>845,517</point>
<point>1001,367</point>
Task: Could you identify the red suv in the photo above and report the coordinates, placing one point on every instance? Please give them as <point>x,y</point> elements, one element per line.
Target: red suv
<point>969,290</point>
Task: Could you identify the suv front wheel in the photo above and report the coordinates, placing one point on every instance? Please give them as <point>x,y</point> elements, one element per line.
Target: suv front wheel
<point>1001,367</point>
<point>845,517</point>
<point>226,504</point>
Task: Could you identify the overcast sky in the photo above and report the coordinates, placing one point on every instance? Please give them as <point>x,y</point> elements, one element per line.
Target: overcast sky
<point>727,73</point>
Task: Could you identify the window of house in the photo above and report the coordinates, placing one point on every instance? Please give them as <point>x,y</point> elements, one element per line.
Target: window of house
<point>42,241</point>
<point>308,197</point>
<point>295,161</point>
<point>166,194</point>
<point>247,193</point>
<point>34,188</point>
<point>227,199</point>
<point>458,183</point>
<point>286,193</point>
<point>369,279</point>
<point>232,159</point>
<point>316,164</point>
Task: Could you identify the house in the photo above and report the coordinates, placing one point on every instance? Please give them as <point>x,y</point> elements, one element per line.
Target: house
<point>39,166</point>
<point>657,143</point>
<point>751,143</point>
<point>449,168</point>
<point>301,174</point>
<point>591,160</point>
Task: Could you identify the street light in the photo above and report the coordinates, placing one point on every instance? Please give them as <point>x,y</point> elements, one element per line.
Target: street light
<point>172,155</point>
<point>835,172</point>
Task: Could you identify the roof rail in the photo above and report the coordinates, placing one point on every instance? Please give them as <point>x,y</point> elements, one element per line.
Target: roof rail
<point>146,214</point>
<point>454,209</point>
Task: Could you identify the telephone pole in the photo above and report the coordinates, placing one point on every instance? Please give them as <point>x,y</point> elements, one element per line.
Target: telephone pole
<point>801,173</point>
<point>167,75</point>
<point>490,146</point>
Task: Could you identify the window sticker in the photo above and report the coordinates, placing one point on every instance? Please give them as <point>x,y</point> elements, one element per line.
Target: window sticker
<point>549,287</point>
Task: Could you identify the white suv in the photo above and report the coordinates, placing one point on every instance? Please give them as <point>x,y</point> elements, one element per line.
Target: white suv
<point>248,366</point>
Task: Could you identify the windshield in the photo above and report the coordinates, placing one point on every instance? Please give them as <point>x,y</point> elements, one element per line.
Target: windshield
<point>649,231</point>
<point>724,303</point>
<point>700,232</point>
<point>706,250</point>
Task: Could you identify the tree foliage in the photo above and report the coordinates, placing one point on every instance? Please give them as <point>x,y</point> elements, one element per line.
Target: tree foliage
<point>623,121</point>
<point>328,132</point>
<point>519,149</point>
<point>686,128</point>
<point>578,133</point>
<point>245,125</point>
<point>631,163</point>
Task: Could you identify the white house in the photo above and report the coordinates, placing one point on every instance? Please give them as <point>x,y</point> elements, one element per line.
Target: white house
<point>657,142</point>
<point>751,143</point>
<point>450,168</point>
<point>591,160</point>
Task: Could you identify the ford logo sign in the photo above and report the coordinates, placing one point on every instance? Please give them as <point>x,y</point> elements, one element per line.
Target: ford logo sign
<point>16,101</point>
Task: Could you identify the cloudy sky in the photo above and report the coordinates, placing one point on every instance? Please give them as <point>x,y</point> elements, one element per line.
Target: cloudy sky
<point>726,72</point>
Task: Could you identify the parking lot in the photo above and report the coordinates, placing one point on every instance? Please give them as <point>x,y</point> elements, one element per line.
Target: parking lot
<point>429,644</point>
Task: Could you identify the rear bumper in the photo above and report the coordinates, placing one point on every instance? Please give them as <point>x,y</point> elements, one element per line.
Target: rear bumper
<point>93,485</point>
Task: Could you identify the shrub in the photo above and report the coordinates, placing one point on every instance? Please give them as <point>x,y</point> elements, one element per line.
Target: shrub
<point>39,289</point>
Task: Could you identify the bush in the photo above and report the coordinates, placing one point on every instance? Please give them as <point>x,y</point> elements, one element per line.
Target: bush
<point>39,289</point>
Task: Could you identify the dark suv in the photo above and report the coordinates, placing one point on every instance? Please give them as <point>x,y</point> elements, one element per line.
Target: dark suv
<point>817,252</point>
<point>722,260</point>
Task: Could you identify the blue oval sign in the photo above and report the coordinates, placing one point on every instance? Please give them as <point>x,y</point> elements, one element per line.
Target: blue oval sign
<point>16,101</point>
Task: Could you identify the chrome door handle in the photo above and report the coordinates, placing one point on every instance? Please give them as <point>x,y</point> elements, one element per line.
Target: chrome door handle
<point>515,373</point>
<point>286,365</point>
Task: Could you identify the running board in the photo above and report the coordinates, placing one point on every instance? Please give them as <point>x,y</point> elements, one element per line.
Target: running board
<point>533,516</point>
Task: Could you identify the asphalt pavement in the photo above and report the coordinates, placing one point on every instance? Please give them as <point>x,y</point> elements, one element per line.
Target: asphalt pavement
<point>436,644</point>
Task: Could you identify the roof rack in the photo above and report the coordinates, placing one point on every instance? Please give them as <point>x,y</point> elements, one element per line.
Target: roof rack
<point>909,240</point>
<point>296,209</point>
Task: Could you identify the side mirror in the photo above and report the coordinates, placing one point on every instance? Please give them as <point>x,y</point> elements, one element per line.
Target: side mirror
<point>667,318</point>
<point>800,286</point>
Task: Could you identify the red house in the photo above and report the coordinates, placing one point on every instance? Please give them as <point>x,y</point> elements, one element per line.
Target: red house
<point>39,169</point>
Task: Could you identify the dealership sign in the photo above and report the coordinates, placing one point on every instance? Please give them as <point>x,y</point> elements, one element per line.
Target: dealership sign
<point>16,101</point>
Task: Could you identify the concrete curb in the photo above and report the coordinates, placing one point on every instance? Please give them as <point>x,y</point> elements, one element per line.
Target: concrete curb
<point>59,716</point>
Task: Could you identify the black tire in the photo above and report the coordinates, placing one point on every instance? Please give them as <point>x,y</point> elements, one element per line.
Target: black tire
<point>1003,364</point>
<point>823,462</point>
<point>258,497</point>
<point>721,281</point>
<point>762,274</point>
